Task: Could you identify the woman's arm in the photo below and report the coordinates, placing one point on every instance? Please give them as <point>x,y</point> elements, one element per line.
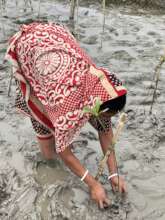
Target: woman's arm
<point>75,166</point>
<point>97,192</point>
<point>105,141</point>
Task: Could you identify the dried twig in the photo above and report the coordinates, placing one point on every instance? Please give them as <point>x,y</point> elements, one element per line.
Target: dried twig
<point>156,78</point>
<point>39,8</point>
<point>72,9</point>
<point>31,6</point>
<point>77,16</point>
<point>102,34</point>
<point>104,4</point>
<point>9,85</point>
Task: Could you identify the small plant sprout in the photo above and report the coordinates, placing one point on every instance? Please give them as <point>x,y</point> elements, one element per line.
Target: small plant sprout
<point>95,110</point>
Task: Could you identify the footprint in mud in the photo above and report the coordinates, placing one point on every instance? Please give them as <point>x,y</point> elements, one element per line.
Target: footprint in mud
<point>3,185</point>
<point>122,55</point>
<point>49,172</point>
<point>89,135</point>
<point>153,34</point>
<point>79,143</point>
<point>155,214</point>
<point>112,30</point>
<point>90,40</point>
<point>2,115</point>
<point>135,29</point>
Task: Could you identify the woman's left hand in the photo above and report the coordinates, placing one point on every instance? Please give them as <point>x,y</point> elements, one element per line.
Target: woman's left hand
<point>118,184</point>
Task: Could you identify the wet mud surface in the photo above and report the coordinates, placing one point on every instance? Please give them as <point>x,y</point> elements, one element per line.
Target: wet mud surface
<point>32,188</point>
<point>142,3</point>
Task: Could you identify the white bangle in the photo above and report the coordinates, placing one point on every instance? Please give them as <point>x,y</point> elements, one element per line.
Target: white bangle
<point>111,176</point>
<point>85,174</point>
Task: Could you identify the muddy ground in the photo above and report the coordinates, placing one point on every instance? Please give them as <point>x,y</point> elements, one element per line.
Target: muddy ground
<point>142,3</point>
<point>33,189</point>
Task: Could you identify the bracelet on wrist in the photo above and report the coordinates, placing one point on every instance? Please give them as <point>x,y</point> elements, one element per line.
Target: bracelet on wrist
<point>85,174</point>
<point>112,175</point>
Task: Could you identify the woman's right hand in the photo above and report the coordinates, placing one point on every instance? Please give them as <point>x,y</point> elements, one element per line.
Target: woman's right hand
<point>99,196</point>
<point>97,191</point>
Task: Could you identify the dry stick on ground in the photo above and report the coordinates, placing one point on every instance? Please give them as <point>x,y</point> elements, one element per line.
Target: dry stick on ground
<point>156,77</point>
<point>74,22</point>
<point>72,9</point>
<point>77,12</point>
<point>2,11</point>
<point>77,5</point>
<point>103,5</point>
<point>10,82</point>
<point>39,8</point>
<point>102,163</point>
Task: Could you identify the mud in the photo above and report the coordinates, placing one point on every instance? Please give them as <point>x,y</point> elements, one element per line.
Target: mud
<point>32,188</point>
<point>159,4</point>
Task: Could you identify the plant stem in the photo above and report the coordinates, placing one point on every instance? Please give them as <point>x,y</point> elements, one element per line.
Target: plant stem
<point>72,9</point>
<point>102,163</point>
<point>103,27</point>
<point>39,8</point>
<point>156,77</point>
<point>9,85</point>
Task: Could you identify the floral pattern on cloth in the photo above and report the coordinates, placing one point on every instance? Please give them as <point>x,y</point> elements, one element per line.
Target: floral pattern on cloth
<point>48,61</point>
<point>44,132</point>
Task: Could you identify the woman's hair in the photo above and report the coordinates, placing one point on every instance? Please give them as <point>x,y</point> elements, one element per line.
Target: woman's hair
<point>114,105</point>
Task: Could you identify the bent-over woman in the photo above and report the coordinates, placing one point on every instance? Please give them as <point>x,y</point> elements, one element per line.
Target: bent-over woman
<point>55,80</point>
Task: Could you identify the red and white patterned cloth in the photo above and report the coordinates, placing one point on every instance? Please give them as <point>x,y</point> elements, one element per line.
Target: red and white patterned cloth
<point>58,79</point>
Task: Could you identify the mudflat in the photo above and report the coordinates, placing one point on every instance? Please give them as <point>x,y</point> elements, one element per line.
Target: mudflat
<point>131,45</point>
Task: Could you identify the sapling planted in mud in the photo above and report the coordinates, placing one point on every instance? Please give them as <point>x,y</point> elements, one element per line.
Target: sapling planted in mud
<point>72,9</point>
<point>103,27</point>
<point>9,85</point>
<point>74,4</point>
<point>39,8</point>
<point>77,3</point>
<point>156,79</point>
<point>95,112</point>
<point>120,126</point>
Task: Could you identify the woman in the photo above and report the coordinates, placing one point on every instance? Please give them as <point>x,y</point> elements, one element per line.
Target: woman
<point>56,80</point>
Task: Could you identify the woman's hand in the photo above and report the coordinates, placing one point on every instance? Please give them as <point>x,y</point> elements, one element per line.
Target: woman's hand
<point>118,184</point>
<point>99,196</point>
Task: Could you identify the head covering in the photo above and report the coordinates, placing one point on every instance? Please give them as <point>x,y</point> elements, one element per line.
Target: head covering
<point>52,67</point>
